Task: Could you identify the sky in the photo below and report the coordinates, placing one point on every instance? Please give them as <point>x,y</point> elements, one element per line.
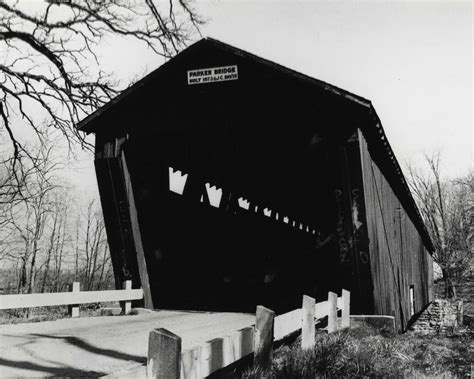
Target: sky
<point>412,59</point>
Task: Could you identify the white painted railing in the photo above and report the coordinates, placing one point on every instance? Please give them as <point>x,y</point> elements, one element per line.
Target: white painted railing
<point>73,298</point>
<point>166,360</point>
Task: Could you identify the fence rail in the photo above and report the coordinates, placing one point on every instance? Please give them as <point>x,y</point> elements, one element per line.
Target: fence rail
<point>73,298</point>
<point>166,360</point>
<point>165,357</point>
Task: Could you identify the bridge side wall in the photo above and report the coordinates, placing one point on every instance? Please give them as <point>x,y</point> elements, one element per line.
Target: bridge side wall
<point>399,259</point>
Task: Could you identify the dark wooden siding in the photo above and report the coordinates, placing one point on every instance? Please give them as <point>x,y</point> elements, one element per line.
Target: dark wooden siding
<point>118,208</point>
<point>283,142</point>
<point>351,229</point>
<point>397,254</point>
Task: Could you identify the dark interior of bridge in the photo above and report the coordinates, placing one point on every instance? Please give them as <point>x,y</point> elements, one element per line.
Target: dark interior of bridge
<point>257,219</point>
<point>270,166</point>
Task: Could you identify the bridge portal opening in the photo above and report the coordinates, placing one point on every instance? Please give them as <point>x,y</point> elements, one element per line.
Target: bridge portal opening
<point>229,192</point>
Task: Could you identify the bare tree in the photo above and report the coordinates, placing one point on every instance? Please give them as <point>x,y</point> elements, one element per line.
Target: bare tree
<point>445,206</point>
<point>51,74</point>
<point>50,69</point>
<point>24,227</point>
<point>11,183</point>
<point>59,249</point>
<point>55,250</point>
<point>92,249</point>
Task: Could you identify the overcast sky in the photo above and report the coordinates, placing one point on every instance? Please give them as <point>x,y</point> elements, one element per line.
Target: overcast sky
<point>412,59</point>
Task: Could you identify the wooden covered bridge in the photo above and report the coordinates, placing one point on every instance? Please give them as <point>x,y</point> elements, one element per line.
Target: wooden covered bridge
<point>227,181</point>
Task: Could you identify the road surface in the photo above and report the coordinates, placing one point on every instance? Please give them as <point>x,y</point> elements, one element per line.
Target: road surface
<point>97,346</point>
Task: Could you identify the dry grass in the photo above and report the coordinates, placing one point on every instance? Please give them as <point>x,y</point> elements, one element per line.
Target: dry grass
<point>22,315</point>
<point>365,352</point>
<point>38,314</point>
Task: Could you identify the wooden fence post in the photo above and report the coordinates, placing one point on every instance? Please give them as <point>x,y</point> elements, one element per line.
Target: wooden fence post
<point>308,328</point>
<point>263,340</point>
<point>73,309</point>
<point>164,355</point>
<point>126,305</point>
<point>332,313</point>
<point>346,306</point>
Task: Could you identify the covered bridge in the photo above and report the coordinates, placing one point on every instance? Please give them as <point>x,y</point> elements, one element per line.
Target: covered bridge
<point>227,181</point>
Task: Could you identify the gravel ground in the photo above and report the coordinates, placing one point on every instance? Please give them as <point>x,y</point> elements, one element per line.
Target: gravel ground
<point>96,346</point>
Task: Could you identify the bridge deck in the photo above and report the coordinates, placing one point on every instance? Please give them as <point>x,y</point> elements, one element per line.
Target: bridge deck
<point>97,346</point>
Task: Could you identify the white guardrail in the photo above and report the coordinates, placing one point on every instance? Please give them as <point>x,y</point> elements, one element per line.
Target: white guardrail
<point>166,360</point>
<point>73,298</point>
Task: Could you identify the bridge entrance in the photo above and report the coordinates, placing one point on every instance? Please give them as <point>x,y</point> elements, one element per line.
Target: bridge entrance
<point>228,181</point>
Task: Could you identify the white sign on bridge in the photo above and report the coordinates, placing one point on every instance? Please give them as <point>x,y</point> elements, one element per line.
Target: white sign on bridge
<point>213,74</point>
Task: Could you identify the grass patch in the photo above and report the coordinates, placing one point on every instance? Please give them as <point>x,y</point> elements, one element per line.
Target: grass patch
<point>366,352</point>
<point>38,314</point>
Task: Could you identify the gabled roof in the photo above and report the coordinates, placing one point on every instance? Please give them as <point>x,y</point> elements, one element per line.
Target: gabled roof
<point>89,125</point>
<point>373,132</point>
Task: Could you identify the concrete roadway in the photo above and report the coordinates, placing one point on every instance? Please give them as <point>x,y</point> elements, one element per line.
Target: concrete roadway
<point>97,346</point>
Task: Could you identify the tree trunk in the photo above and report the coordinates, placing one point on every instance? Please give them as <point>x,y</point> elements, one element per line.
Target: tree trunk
<point>31,281</point>
<point>22,276</point>
<point>449,287</point>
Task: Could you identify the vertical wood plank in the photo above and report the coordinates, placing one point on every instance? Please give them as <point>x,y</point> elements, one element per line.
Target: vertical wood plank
<point>191,363</point>
<point>332,313</point>
<point>263,341</point>
<point>109,201</point>
<point>142,266</point>
<point>74,308</point>
<point>126,305</point>
<point>247,338</point>
<point>346,306</point>
<point>397,252</point>
<point>212,356</point>
<point>308,326</point>
<point>164,355</point>
<point>113,198</point>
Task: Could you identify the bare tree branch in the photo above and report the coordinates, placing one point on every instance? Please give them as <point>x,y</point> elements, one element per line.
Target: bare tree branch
<point>446,207</point>
<point>50,71</point>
